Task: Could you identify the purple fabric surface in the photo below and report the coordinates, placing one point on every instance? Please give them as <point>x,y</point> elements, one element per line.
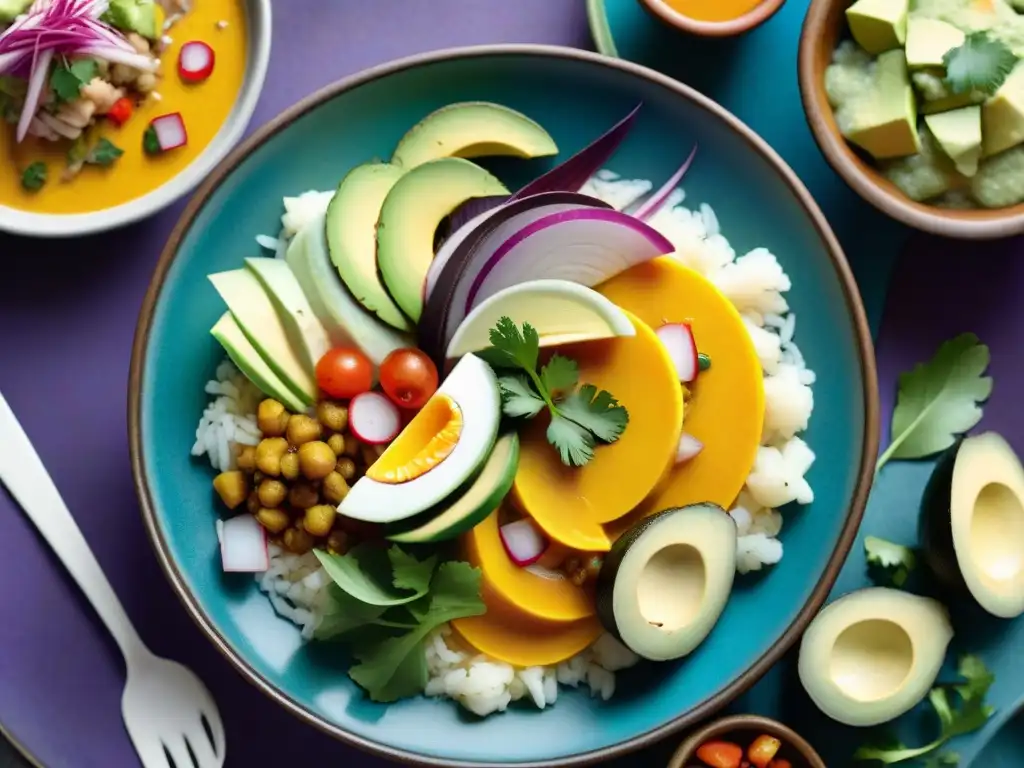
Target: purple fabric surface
<point>67,318</point>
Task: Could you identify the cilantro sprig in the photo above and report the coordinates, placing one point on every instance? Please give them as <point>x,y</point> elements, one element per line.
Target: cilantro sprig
<point>580,418</point>
<point>68,78</point>
<point>980,63</point>
<point>889,562</point>
<point>961,709</point>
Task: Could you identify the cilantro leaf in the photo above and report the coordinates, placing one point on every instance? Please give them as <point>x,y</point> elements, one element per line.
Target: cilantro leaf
<point>980,62</point>
<point>34,177</point>
<point>518,398</point>
<point>595,411</point>
<point>521,348</point>
<point>559,374</point>
<point>575,445</point>
<point>397,668</point>
<point>939,400</point>
<point>365,573</point>
<point>410,573</point>
<point>67,79</point>
<point>892,561</point>
<point>105,153</point>
<point>345,613</point>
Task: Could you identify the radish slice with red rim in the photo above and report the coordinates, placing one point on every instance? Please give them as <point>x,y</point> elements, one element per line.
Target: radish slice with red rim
<point>681,347</point>
<point>196,61</point>
<point>657,201</point>
<point>689,446</point>
<point>243,545</point>
<point>523,543</point>
<point>165,133</point>
<point>585,246</point>
<point>373,418</point>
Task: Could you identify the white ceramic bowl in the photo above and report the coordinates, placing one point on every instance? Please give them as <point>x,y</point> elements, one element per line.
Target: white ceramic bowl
<point>21,222</point>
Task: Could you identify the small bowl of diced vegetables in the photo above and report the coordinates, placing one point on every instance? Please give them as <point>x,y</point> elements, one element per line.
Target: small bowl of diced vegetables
<point>919,106</point>
<point>745,741</point>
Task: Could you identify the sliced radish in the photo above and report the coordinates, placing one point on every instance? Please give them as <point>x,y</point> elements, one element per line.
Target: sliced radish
<point>523,542</point>
<point>195,61</point>
<point>689,446</point>
<point>243,545</point>
<point>681,347</point>
<point>373,418</point>
<point>165,133</point>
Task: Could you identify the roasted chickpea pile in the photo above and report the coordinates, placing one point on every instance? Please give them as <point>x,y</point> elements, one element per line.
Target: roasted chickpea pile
<point>294,479</point>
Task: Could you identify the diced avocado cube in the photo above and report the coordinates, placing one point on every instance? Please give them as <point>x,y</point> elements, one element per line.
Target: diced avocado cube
<point>143,17</point>
<point>878,25</point>
<point>12,9</point>
<point>887,125</point>
<point>929,40</point>
<point>958,132</point>
<point>1002,116</point>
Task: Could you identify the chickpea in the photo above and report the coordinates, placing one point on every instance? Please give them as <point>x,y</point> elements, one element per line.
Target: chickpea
<point>332,416</point>
<point>351,446</point>
<point>232,487</point>
<point>274,520</point>
<point>335,488</point>
<point>247,459</point>
<point>146,82</point>
<point>253,503</point>
<point>302,429</point>
<point>272,418</point>
<point>346,468</point>
<point>298,541</point>
<point>303,496</point>
<point>337,542</point>
<point>290,466</point>
<point>269,453</point>
<point>272,493</point>
<point>336,444</point>
<point>319,519</point>
<point>316,460</point>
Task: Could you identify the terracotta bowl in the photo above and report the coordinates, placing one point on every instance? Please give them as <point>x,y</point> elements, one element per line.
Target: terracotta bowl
<point>760,14</point>
<point>824,27</point>
<point>742,730</point>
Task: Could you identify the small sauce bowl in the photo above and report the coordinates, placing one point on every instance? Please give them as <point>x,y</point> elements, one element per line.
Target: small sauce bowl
<point>742,730</point>
<point>666,12</point>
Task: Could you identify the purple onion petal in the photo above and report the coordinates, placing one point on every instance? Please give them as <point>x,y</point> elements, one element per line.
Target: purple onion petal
<point>654,203</point>
<point>40,69</point>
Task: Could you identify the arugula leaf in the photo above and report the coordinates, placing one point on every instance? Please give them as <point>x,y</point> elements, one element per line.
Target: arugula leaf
<point>518,399</point>
<point>559,374</point>
<point>67,79</point>
<point>410,573</point>
<point>365,573</point>
<point>105,153</point>
<point>34,177</point>
<point>894,561</point>
<point>397,668</point>
<point>595,411</point>
<point>575,445</point>
<point>980,62</point>
<point>939,400</point>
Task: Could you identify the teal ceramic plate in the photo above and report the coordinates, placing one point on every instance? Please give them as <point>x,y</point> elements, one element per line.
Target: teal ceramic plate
<point>575,95</point>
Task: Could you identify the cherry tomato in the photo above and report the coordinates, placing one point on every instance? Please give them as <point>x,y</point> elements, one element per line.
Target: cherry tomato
<point>408,377</point>
<point>344,373</point>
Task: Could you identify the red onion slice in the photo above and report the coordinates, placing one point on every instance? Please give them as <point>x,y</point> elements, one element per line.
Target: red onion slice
<point>678,341</point>
<point>657,201</point>
<point>689,446</point>
<point>243,545</point>
<point>373,418</point>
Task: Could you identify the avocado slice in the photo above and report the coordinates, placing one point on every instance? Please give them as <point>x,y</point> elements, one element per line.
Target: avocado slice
<point>304,330</point>
<point>887,126</point>
<point>1002,116</point>
<point>248,360</point>
<point>410,216</point>
<point>929,40</point>
<point>352,237</point>
<point>347,323</point>
<point>144,17</point>
<point>665,582</point>
<point>472,129</point>
<point>258,319</point>
<point>958,132</point>
<point>972,523</point>
<point>901,638</point>
<point>12,9</point>
<point>878,25</point>
<point>479,498</point>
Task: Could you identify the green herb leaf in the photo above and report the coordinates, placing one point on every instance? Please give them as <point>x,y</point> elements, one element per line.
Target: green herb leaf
<point>365,573</point>
<point>518,399</point>
<point>521,348</point>
<point>575,445</point>
<point>892,562</point>
<point>105,153</point>
<point>981,63</point>
<point>703,361</point>
<point>67,79</point>
<point>34,177</point>
<point>559,374</point>
<point>151,142</point>
<point>410,573</point>
<point>345,613</point>
<point>596,411</point>
<point>396,668</point>
<point>939,400</point>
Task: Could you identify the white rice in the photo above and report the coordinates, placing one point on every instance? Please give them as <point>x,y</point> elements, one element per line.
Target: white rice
<point>754,282</point>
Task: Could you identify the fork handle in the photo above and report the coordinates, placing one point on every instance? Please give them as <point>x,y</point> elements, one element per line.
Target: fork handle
<point>22,471</point>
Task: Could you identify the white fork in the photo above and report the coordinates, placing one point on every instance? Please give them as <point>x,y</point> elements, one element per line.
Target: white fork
<point>166,709</point>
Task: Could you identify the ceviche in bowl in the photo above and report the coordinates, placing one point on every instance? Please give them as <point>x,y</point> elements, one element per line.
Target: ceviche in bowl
<point>482,417</point>
<point>112,109</point>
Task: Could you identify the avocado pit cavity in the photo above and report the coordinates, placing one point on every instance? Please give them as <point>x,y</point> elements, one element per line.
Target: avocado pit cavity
<point>871,659</point>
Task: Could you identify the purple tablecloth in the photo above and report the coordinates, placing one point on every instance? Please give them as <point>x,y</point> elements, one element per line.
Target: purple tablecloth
<point>67,318</point>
